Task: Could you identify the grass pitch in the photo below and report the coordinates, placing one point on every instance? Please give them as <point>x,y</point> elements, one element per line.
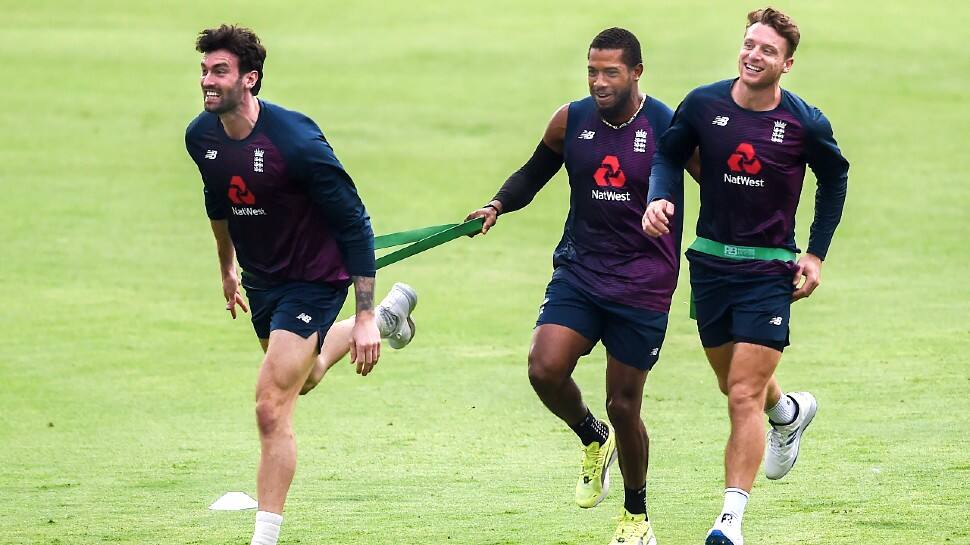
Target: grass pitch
<point>126,391</point>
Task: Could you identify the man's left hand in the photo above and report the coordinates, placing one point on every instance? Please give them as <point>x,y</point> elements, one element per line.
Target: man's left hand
<point>365,343</point>
<point>809,269</point>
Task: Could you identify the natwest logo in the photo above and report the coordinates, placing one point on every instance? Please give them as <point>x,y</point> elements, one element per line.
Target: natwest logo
<point>744,160</point>
<point>609,173</point>
<point>239,193</point>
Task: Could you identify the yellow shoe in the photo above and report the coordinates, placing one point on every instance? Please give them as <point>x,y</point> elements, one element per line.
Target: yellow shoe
<point>633,530</point>
<point>594,481</point>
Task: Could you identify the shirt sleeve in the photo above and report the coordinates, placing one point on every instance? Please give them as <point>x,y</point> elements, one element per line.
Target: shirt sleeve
<point>332,189</point>
<point>832,172</point>
<point>674,149</point>
<point>216,206</point>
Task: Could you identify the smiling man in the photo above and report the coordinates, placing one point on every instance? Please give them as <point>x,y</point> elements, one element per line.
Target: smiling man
<point>611,283</point>
<point>280,201</point>
<point>755,140</point>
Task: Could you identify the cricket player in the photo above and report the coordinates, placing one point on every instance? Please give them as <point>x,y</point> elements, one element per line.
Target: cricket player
<point>755,140</point>
<point>281,203</point>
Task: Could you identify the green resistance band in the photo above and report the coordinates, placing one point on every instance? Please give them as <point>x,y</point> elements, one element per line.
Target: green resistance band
<point>738,253</point>
<point>423,239</point>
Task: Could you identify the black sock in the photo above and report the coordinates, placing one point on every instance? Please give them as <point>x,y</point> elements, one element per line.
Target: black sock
<point>636,500</point>
<point>591,430</point>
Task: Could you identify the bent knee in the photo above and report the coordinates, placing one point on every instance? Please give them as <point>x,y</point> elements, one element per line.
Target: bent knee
<point>546,372</point>
<point>743,397</point>
<point>622,408</point>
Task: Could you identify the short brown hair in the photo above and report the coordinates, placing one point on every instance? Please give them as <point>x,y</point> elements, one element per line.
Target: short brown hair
<point>241,42</point>
<point>777,20</point>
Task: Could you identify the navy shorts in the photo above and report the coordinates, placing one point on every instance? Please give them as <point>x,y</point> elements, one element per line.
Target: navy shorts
<point>303,308</point>
<point>632,335</point>
<point>741,307</point>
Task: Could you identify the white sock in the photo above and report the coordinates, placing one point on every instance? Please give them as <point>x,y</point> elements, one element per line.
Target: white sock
<point>735,500</point>
<point>783,413</point>
<point>267,530</point>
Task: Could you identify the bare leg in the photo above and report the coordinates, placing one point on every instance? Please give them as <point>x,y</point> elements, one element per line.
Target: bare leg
<point>624,395</point>
<point>751,369</point>
<point>285,367</point>
<point>720,359</point>
<point>552,358</point>
<point>335,346</point>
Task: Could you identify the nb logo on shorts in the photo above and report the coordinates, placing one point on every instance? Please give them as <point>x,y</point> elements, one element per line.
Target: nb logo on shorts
<point>655,351</point>
<point>775,321</point>
<point>306,319</point>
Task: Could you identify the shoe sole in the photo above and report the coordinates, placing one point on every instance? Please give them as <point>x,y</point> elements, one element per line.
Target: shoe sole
<point>606,478</point>
<point>410,293</point>
<point>717,538</point>
<point>798,438</point>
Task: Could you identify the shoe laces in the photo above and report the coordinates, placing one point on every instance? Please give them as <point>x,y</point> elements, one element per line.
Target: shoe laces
<point>778,439</point>
<point>390,321</point>
<point>592,459</point>
<point>628,529</point>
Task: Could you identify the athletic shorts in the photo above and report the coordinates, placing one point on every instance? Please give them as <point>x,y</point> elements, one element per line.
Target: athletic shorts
<point>741,307</point>
<point>632,335</point>
<point>303,308</point>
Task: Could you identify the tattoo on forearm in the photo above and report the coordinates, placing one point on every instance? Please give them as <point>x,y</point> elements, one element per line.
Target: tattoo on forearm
<point>364,292</point>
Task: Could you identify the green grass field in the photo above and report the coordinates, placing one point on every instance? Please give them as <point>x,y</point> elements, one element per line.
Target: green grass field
<point>126,392</point>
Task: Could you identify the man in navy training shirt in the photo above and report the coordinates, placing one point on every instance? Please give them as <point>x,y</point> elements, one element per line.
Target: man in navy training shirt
<point>611,282</point>
<point>755,140</point>
<point>281,203</point>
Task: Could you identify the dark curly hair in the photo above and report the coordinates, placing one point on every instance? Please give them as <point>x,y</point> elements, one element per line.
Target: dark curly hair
<point>241,42</point>
<point>619,38</point>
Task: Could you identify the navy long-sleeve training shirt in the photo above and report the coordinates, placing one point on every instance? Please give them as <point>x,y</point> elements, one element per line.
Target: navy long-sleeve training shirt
<point>752,170</point>
<point>293,211</point>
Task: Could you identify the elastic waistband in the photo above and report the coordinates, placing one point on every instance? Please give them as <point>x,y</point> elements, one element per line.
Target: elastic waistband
<point>733,251</point>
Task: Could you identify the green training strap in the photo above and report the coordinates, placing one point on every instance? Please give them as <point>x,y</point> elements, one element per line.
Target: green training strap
<point>424,238</point>
<point>738,253</point>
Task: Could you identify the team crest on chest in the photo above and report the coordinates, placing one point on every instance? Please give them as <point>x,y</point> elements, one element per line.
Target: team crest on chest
<point>258,160</point>
<point>640,141</point>
<point>778,132</point>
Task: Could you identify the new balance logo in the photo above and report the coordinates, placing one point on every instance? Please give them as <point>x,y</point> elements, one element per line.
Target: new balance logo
<point>306,319</point>
<point>727,518</point>
<point>587,135</point>
<point>778,133</point>
<point>655,351</point>
<point>211,153</point>
<point>721,121</point>
<point>775,321</point>
<point>640,141</point>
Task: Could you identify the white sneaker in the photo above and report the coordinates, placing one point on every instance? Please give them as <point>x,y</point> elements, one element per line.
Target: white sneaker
<point>394,315</point>
<point>726,531</point>
<point>781,444</point>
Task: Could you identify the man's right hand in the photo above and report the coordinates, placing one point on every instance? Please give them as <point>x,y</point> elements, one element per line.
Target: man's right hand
<point>489,212</point>
<point>656,219</point>
<point>230,290</point>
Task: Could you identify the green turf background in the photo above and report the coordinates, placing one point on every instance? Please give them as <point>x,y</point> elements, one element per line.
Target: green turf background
<point>126,392</point>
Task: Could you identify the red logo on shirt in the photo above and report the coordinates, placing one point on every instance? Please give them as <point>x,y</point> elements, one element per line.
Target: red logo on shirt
<point>609,173</point>
<point>744,160</point>
<point>239,193</point>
